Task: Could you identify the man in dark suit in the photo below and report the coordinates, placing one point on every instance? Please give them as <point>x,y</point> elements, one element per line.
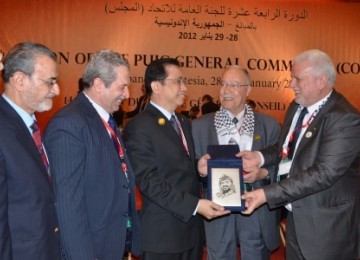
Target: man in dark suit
<point>321,165</point>
<point>28,223</point>
<point>160,147</point>
<point>208,105</point>
<point>93,178</point>
<point>237,123</point>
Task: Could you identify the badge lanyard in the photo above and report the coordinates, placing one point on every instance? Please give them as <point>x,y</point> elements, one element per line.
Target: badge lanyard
<point>285,150</point>
<point>119,148</point>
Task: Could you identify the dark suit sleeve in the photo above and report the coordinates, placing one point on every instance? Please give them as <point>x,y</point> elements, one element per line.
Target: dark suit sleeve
<point>322,162</point>
<point>153,184</point>
<point>67,165</point>
<point>5,239</point>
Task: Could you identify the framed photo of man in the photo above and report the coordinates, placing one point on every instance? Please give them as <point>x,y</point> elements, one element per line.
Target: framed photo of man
<point>225,183</point>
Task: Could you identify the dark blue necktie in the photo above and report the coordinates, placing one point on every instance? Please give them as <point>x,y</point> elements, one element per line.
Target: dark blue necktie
<point>296,133</point>
<point>113,126</point>
<point>174,124</point>
<point>112,123</point>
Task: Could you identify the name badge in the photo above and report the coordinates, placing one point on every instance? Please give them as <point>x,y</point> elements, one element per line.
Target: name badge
<point>284,168</point>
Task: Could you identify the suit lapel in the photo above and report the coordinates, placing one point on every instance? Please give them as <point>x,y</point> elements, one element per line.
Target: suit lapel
<point>314,125</point>
<point>166,126</point>
<point>258,135</point>
<point>18,127</point>
<point>96,124</point>
<point>213,135</point>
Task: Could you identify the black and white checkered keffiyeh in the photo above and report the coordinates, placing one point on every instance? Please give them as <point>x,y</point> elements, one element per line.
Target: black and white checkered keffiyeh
<point>224,122</point>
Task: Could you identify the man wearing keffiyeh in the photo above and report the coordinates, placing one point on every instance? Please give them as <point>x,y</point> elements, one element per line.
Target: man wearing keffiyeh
<point>237,123</point>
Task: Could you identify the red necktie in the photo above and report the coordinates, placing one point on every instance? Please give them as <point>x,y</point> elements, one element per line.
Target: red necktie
<point>38,141</point>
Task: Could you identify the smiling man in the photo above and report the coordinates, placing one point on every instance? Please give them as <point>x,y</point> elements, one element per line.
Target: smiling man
<point>162,152</point>
<point>318,157</point>
<point>236,123</point>
<point>92,176</point>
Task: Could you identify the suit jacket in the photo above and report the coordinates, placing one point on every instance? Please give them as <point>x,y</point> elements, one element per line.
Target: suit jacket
<point>266,133</point>
<point>324,183</point>
<point>90,186</point>
<point>166,177</point>
<point>28,224</point>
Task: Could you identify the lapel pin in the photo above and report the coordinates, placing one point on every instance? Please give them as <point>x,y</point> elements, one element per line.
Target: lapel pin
<point>257,137</point>
<point>161,121</point>
<point>308,135</point>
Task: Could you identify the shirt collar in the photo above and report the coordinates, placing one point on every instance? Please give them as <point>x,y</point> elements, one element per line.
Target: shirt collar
<point>101,111</point>
<point>25,116</point>
<point>166,113</point>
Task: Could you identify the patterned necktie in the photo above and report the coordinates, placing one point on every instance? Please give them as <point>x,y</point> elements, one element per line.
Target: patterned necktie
<point>174,124</point>
<point>296,133</point>
<point>36,135</point>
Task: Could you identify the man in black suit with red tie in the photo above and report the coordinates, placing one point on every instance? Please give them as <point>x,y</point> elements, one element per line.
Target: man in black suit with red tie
<point>28,223</point>
<point>160,146</point>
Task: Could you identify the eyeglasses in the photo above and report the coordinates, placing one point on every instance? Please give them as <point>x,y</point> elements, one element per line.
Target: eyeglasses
<point>50,83</point>
<point>179,81</point>
<point>224,84</point>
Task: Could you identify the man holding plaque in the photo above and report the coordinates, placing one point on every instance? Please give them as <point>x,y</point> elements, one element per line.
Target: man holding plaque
<point>236,123</point>
<point>161,149</point>
<point>321,166</point>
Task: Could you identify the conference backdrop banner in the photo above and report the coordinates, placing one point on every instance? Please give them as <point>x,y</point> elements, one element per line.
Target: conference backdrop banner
<point>205,36</point>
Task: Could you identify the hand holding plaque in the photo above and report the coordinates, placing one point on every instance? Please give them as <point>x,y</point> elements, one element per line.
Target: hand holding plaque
<point>225,177</point>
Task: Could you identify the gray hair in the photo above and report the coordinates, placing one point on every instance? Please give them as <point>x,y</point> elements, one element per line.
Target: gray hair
<point>102,66</point>
<point>22,58</point>
<point>240,69</point>
<point>320,64</point>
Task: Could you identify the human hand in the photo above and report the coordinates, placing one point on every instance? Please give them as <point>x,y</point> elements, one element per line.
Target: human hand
<point>255,174</point>
<point>250,159</point>
<point>202,165</point>
<point>210,209</point>
<point>253,200</point>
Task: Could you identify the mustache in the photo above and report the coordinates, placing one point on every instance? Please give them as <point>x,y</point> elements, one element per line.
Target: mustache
<point>50,96</point>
